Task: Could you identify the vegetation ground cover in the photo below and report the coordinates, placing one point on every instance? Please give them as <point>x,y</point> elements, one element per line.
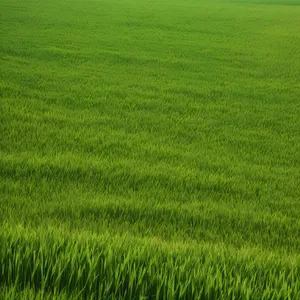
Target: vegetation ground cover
<point>149,149</point>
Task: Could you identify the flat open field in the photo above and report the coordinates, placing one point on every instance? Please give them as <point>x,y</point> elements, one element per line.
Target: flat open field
<point>150,149</point>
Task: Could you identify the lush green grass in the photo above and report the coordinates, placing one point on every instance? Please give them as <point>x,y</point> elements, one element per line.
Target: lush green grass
<point>81,264</point>
<point>149,149</point>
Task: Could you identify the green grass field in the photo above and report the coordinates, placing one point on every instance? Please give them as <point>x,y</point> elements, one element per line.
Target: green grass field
<point>150,149</point>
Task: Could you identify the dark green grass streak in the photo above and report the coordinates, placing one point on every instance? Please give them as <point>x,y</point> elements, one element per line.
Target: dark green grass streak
<point>158,135</point>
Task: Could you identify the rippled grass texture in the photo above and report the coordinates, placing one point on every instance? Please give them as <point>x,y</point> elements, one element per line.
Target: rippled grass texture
<point>149,149</point>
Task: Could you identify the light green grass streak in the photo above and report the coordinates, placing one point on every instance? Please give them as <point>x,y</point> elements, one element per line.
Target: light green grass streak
<point>174,120</point>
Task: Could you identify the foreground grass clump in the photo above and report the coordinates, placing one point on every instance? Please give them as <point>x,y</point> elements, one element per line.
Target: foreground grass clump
<point>105,267</point>
<point>149,149</point>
